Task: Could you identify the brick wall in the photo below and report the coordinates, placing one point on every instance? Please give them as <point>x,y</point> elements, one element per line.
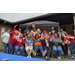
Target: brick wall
<point>69,28</point>
<point>6,26</point>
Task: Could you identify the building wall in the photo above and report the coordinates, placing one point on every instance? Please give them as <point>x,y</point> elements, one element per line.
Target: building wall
<point>6,26</point>
<point>47,28</point>
<point>69,28</point>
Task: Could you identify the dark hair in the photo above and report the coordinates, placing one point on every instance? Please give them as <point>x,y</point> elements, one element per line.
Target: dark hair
<point>36,35</point>
<point>56,33</point>
<point>8,29</point>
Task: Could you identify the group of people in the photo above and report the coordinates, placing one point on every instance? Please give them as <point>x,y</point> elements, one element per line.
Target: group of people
<point>33,39</point>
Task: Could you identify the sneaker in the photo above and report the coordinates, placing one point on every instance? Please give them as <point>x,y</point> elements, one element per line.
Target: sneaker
<point>71,58</point>
<point>18,53</point>
<point>27,56</point>
<point>47,58</point>
<point>59,57</point>
<point>30,56</point>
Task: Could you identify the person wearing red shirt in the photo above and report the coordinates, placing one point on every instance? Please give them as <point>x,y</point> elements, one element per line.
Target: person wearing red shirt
<point>69,40</point>
<point>14,29</point>
<point>10,42</point>
<point>19,44</point>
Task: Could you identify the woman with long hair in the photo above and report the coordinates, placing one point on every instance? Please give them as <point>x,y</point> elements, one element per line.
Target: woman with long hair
<point>38,45</point>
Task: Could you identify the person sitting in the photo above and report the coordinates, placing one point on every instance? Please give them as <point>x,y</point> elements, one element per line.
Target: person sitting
<point>28,45</point>
<point>38,45</point>
<point>19,44</point>
<point>56,45</point>
<point>47,46</point>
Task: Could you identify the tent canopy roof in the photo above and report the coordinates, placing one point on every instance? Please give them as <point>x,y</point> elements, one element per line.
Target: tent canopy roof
<point>41,23</point>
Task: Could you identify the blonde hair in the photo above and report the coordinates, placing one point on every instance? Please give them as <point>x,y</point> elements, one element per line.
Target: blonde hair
<point>31,30</point>
<point>39,30</point>
<point>21,35</point>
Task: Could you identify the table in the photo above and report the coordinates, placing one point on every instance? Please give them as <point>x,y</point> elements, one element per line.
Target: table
<point>17,58</point>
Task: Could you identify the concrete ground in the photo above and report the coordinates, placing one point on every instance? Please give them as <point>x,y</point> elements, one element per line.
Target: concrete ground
<point>55,59</point>
<point>62,58</point>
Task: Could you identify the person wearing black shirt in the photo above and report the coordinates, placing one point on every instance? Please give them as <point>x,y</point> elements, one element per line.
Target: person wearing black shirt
<point>47,46</point>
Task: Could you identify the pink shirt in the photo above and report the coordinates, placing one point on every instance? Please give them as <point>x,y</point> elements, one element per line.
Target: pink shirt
<point>49,36</point>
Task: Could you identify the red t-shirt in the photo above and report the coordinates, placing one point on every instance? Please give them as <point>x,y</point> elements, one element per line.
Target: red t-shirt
<point>68,40</point>
<point>11,37</point>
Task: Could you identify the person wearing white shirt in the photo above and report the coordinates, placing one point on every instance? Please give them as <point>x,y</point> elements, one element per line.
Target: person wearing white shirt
<point>5,38</point>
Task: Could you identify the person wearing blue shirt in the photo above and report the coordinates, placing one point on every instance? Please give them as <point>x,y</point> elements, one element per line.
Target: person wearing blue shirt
<point>28,45</point>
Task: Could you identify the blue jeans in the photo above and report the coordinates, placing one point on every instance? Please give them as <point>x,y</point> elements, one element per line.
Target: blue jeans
<point>57,50</point>
<point>72,47</point>
<point>38,47</point>
<point>5,47</point>
<point>19,48</point>
<point>10,48</point>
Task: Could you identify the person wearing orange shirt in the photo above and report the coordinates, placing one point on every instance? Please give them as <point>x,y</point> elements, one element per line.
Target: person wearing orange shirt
<point>38,45</point>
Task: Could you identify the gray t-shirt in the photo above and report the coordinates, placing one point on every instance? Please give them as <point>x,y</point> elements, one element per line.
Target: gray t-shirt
<point>55,43</point>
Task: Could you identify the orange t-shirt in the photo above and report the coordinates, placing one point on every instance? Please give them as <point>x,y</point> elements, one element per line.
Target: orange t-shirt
<point>37,43</point>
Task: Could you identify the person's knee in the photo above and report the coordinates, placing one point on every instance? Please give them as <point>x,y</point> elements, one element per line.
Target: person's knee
<point>21,48</point>
<point>16,48</point>
<point>59,48</point>
<point>54,48</point>
<point>31,48</point>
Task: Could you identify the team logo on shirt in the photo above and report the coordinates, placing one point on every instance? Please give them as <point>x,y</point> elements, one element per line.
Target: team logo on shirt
<point>67,42</point>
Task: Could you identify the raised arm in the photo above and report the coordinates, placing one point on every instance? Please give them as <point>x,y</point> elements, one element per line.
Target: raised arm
<point>15,27</point>
<point>11,33</point>
<point>32,37</point>
<point>42,38</point>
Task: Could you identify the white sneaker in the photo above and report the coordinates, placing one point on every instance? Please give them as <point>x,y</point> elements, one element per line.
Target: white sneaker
<point>30,56</point>
<point>59,57</point>
<point>27,56</point>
